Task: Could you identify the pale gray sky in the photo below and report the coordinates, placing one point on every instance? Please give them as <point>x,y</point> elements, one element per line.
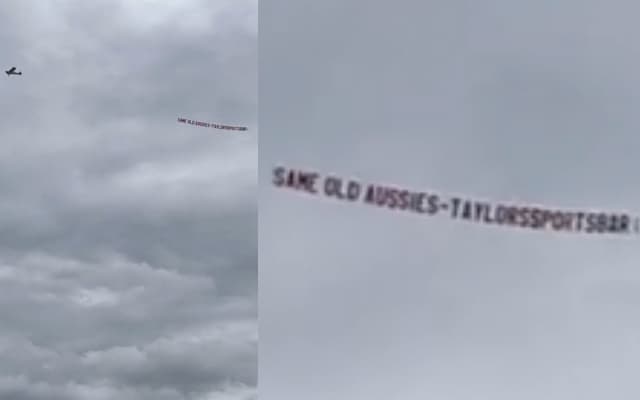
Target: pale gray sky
<point>128,252</point>
<point>498,99</point>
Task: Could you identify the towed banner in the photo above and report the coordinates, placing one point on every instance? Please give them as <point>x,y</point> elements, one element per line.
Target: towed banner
<point>211,125</point>
<point>395,198</point>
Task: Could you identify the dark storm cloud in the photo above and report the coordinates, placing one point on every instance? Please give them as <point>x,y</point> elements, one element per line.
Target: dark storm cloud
<point>128,265</point>
<point>525,100</point>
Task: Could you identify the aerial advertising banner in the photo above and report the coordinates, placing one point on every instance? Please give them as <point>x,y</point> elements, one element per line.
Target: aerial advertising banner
<point>212,125</point>
<point>455,207</point>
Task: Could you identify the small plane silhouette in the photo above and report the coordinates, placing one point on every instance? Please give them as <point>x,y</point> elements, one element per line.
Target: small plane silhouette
<point>12,71</point>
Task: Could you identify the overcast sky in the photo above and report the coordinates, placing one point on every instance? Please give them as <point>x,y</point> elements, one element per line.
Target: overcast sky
<point>128,249</point>
<point>530,100</point>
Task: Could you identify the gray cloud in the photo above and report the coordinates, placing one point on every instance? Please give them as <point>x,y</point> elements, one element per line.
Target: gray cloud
<point>128,254</point>
<point>501,100</point>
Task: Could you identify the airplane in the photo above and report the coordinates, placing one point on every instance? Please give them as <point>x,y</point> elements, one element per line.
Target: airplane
<point>12,71</point>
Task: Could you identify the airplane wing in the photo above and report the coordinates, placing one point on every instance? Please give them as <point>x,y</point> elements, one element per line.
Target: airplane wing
<point>12,69</point>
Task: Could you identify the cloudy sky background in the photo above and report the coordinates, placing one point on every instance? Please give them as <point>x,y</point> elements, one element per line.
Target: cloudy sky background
<point>128,249</point>
<point>507,100</point>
